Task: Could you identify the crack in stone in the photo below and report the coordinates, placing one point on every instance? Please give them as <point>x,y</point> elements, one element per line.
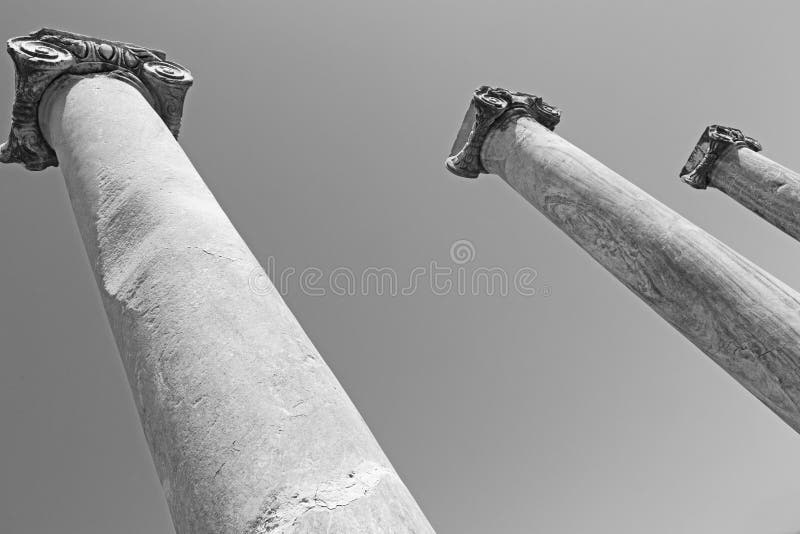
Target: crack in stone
<point>218,470</point>
<point>284,509</point>
<point>215,254</point>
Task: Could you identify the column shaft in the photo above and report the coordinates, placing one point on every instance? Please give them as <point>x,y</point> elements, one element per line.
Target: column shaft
<point>746,320</point>
<point>249,429</point>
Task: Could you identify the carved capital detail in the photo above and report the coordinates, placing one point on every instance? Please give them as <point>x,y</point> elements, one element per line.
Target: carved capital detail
<point>489,107</point>
<point>43,56</point>
<point>712,144</point>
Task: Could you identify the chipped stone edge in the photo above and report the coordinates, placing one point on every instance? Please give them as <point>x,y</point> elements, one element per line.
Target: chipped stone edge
<point>284,509</point>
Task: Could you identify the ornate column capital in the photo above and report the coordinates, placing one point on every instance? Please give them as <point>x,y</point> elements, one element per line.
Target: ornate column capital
<point>43,56</point>
<point>491,106</point>
<point>713,143</point>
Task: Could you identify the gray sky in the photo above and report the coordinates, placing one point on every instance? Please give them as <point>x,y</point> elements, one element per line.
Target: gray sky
<point>322,130</point>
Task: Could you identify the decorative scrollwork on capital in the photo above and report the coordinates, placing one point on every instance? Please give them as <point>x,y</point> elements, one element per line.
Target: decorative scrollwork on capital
<point>713,143</point>
<point>487,108</point>
<point>43,56</point>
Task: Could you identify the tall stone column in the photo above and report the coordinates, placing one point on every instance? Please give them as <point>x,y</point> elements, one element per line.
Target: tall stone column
<point>726,159</point>
<point>743,318</point>
<point>249,429</point>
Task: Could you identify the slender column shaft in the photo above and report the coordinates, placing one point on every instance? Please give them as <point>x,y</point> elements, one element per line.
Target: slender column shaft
<point>766,188</point>
<point>743,318</point>
<point>249,429</point>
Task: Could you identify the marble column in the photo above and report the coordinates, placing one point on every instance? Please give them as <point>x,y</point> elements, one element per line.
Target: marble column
<point>249,429</point>
<point>742,317</point>
<point>726,159</point>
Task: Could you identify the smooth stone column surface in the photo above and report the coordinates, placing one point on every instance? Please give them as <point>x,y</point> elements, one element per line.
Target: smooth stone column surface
<point>249,429</point>
<point>725,160</point>
<point>742,317</point>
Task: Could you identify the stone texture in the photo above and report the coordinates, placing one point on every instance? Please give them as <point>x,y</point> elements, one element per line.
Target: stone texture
<point>759,184</point>
<point>715,141</point>
<point>488,105</point>
<point>43,56</point>
<point>249,429</point>
<point>743,318</point>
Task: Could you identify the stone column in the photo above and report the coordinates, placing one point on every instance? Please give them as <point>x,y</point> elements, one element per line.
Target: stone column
<point>249,429</point>
<point>743,318</point>
<point>726,159</point>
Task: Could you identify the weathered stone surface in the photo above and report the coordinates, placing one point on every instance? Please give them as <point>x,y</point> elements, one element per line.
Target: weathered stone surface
<point>487,106</point>
<point>714,143</point>
<point>742,317</point>
<point>43,56</point>
<point>249,429</point>
<point>764,187</point>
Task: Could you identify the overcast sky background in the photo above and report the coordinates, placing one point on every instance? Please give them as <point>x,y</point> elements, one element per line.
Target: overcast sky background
<point>322,129</point>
